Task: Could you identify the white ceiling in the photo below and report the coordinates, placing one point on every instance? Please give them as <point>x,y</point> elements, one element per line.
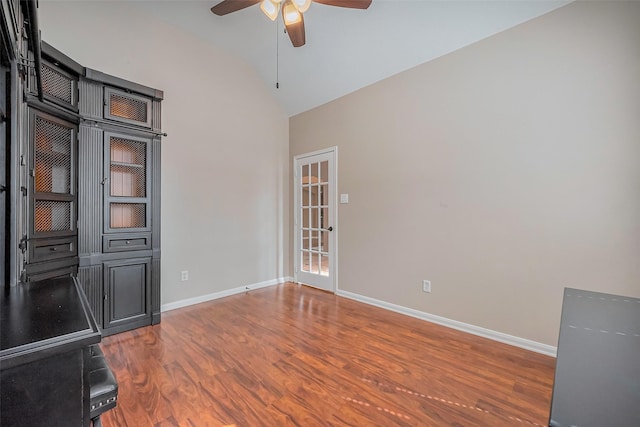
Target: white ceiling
<point>346,49</point>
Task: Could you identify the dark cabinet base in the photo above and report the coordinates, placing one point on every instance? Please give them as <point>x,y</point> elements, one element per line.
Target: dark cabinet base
<point>120,293</point>
<point>127,292</point>
<point>48,392</point>
<point>46,329</point>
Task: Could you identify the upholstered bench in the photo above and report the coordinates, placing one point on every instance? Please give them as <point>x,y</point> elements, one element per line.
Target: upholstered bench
<point>103,385</point>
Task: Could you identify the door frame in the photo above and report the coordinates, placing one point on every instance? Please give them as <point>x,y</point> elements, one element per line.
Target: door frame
<point>333,207</point>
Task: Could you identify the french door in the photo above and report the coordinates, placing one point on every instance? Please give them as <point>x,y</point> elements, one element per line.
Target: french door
<point>315,219</point>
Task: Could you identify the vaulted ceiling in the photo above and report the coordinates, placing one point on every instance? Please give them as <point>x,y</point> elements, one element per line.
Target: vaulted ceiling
<point>346,49</point>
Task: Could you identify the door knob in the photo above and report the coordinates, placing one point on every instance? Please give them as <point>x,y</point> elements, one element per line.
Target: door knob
<point>330,228</point>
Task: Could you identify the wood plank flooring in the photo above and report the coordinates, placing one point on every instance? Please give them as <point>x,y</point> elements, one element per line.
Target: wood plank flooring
<point>290,355</point>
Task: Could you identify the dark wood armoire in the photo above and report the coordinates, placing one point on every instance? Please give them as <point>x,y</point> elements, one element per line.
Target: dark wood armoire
<point>80,219</point>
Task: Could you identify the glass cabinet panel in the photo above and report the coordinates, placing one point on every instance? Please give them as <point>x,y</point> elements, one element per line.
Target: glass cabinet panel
<point>128,168</point>
<point>53,198</point>
<point>127,160</point>
<point>52,156</point>
<point>128,215</point>
<point>127,108</point>
<point>52,215</point>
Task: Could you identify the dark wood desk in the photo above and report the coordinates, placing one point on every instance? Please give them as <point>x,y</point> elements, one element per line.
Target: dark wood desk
<point>597,379</point>
<point>46,328</point>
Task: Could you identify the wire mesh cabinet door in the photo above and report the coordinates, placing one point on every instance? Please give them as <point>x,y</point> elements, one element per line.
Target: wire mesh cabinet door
<point>127,108</point>
<point>52,204</point>
<point>58,86</point>
<point>127,183</point>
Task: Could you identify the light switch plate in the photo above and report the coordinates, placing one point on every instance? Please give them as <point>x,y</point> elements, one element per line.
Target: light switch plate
<point>344,198</point>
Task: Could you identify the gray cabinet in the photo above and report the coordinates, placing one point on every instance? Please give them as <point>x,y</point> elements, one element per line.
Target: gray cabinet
<point>51,234</point>
<point>127,302</point>
<point>119,201</point>
<point>80,180</point>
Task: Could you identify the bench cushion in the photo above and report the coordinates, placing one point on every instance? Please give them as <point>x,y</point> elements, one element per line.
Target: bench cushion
<point>103,385</point>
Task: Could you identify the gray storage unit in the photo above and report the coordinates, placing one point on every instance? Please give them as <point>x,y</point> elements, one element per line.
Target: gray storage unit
<point>49,171</point>
<point>119,200</point>
<point>80,181</point>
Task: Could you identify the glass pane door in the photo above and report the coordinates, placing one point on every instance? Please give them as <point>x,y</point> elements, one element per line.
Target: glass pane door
<point>314,213</point>
<point>315,204</point>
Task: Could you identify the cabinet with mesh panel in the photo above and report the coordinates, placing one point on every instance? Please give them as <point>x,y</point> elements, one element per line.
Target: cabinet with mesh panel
<point>125,107</point>
<point>51,231</point>
<point>127,183</point>
<point>59,79</point>
<point>119,200</point>
<point>59,86</point>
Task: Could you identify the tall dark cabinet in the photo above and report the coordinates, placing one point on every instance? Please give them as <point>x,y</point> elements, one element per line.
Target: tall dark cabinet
<point>119,196</point>
<point>46,326</point>
<point>80,181</point>
<point>46,166</point>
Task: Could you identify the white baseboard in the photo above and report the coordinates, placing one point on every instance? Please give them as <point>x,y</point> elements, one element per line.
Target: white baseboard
<point>227,292</point>
<point>454,324</point>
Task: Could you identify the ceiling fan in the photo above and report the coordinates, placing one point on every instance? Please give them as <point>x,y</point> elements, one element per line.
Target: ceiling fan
<point>292,11</point>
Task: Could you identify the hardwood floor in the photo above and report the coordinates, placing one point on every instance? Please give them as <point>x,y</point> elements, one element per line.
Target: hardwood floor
<point>290,355</point>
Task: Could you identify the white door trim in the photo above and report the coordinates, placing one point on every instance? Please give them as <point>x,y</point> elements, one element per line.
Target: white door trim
<point>333,206</point>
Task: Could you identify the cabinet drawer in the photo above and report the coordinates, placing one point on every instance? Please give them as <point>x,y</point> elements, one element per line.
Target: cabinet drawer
<point>122,243</point>
<point>48,249</point>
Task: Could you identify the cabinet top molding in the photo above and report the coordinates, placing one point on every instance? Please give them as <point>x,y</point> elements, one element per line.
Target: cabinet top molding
<point>101,77</point>
<point>53,54</point>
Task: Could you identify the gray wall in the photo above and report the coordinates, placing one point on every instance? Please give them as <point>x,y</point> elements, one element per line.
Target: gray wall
<point>502,172</point>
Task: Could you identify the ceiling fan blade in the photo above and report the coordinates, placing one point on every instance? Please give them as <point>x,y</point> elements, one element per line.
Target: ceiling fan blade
<point>352,4</point>
<point>228,6</point>
<point>296,32</point>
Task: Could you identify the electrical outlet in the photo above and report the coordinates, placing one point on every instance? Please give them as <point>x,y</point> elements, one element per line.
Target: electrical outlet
<point>184,275</point>
<point>426,286</point>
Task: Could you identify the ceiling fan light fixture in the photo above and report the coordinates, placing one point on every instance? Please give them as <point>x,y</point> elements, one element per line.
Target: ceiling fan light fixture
<point>302,5</point>
<point>270,8</point>
<point>290,13</point>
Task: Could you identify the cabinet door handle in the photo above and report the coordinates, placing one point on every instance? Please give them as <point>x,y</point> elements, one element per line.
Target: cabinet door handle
<point>128,241</point>
<point>53,249</point>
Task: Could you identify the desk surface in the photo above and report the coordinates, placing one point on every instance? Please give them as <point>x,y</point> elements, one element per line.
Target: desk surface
<point>42,318</point>
<point>597,378</point>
